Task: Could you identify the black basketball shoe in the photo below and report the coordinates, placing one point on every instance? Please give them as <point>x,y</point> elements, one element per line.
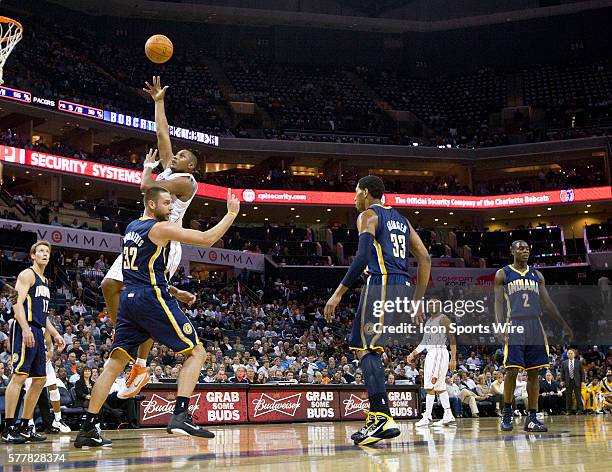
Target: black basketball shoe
<point>91,438</point>
<point>183,424</point>
<point>11,436</point>
<point>29,434</point>
<point>533,425</point>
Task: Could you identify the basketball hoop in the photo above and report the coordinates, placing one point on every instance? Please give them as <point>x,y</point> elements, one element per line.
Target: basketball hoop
<point>11,33</point>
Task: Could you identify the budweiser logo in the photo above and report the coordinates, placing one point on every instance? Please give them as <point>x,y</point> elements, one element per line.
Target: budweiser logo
<point>158,406</point>
<point>266,404</point>
<point>353,404</point>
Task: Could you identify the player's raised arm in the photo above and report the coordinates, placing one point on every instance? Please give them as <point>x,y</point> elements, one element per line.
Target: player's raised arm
<point>549,307</point>
<point>419,251</point>
<point>24,282</point>
<point>500,278</point>
<point>180,186</point>
<point>366,225</point>
<point>162,130</point>
<point>166,231</point>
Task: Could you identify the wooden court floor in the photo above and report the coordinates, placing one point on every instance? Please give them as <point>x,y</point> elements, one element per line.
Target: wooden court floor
<point>572,444</point>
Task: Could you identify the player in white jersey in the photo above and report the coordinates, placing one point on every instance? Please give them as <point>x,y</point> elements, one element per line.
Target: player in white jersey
<point>177,177</point>
<point>436,332</point>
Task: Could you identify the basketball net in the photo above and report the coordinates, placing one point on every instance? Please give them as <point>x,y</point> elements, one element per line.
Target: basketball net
<point>11,33</point>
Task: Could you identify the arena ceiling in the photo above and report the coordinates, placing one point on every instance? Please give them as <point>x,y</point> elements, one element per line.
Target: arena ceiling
<point>388,16</point>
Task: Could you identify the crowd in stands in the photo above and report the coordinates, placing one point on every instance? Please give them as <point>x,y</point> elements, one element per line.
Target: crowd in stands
<point>279,336</point>
<point>308,98</point>
<point>307,102</point>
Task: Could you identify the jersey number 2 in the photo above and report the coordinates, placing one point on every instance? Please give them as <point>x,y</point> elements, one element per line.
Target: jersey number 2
<point>526,300</point>
<point>129,258</point>
<point>399,245</point>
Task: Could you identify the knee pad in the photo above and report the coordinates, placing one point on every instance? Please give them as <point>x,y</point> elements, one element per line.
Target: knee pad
<point>54,395</point>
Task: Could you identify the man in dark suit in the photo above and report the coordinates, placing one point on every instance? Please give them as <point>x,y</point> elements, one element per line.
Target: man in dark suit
<point>572,376</point>
<point>550,396</point>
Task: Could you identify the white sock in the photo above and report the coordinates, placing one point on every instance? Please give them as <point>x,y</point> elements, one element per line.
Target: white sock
<point>31,421</point>
<point>444,399</point>
<point>141,362</point>
<point>58,416</point>
<point>429,401</point>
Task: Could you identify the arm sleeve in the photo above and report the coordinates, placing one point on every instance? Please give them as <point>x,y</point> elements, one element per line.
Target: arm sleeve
<point>366,240</point>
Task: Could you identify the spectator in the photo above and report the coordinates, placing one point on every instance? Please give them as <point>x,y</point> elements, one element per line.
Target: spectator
<point>550,395</point>
<point>78,307</point>
<point>62,375</point>
<point>454,396</point>
<point>466,396</point>
<point>209,377</point>
<point>71,365</point>
<point>69,337</point>
<point>240,376</point>
<point>83,387</point>
<point>497,389</point>
<point>76,349</point>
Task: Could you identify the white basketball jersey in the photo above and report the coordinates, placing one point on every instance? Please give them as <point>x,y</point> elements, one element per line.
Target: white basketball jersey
<point>435,339</point>
<point>179,207</point>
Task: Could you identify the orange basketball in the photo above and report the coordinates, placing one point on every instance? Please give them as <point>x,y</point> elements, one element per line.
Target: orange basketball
<point>159,48</point>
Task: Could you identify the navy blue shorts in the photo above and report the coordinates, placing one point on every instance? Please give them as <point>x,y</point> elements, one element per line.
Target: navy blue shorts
<point>28,360</point>
<point>366,329</point>
<point>151,312</point>
<point>529,349</point>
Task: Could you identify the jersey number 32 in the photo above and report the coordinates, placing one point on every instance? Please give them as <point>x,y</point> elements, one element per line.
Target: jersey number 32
<point>129,258</point>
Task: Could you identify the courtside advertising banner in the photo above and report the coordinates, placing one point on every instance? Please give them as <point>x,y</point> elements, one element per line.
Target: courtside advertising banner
<point>206,406</point>
<point>216,404</point>
<point>271,406</point>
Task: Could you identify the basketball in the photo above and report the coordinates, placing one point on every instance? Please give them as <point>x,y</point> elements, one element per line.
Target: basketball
<point>159,48</point>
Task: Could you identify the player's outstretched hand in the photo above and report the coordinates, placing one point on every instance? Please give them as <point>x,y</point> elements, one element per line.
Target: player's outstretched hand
<point>156,91</point>
<point>233,204</point>
<point>150,160</point>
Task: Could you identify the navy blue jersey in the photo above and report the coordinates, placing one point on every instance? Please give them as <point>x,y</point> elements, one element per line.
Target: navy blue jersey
<point>522,293</point>
<point>389,254</point>
<point>37,301</point>
<point>144,263</point>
